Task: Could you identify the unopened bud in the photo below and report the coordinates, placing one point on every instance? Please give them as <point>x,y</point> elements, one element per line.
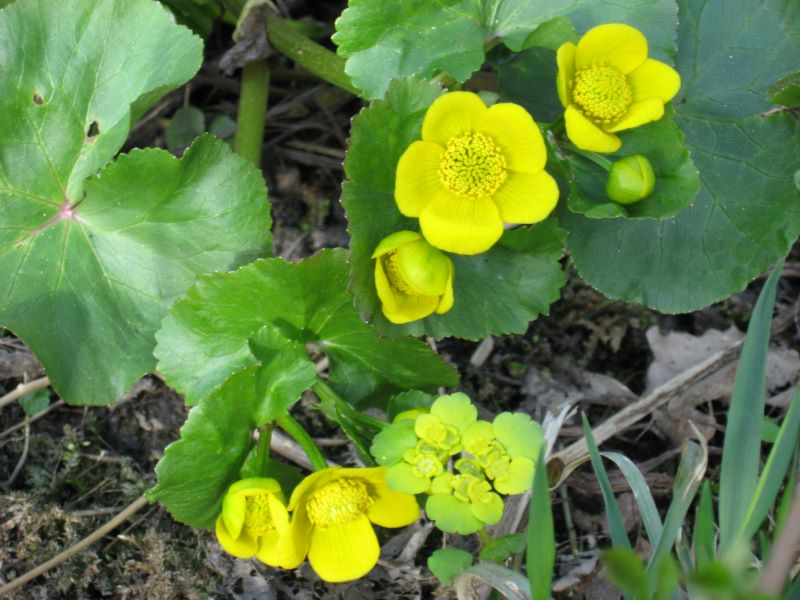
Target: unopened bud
<point>630,180</point>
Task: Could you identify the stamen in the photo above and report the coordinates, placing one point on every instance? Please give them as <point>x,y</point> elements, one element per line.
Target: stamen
<point>601,92</point>
<point>257,516</point>
<point>338,502</point>
<point>473,165</point>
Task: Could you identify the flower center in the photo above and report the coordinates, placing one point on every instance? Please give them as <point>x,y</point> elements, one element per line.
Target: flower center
<point>472,165</point>
<point>395,276</point>
<point>257,516</point>
<point>338,502</point>
<point>601,92</point>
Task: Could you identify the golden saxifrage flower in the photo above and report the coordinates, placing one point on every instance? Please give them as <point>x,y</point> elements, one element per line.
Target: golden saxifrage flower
<point>252,520</point>
<point>474,169</point>
<point>608,84</point>
<point>333,511</point>
<point>413,279</point>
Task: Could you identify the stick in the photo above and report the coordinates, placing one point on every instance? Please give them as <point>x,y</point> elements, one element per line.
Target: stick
<point>23,389</point>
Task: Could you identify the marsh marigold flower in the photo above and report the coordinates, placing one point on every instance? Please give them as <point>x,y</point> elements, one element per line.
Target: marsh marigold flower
<point>474,169</point>
<point>332,515</point>
<point>607,84</point>
<point>253,518</point>
<point>413,279</point>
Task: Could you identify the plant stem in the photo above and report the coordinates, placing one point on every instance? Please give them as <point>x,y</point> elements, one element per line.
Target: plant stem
<point>484,536</point>
<point>264,438</point>
<point>252,111</point>
<point>600,161</point>
<point>308,54</point>
<point>301,436</point>
<point>327,394</point>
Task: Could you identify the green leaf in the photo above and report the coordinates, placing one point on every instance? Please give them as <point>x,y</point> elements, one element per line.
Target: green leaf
<point>198,15</point>
<point>307,303</point>
<point>677,179</point>
<point>769,430</point>
<point>510,584</point>
<point>286,372</point>
<point>704,530</point>
<point>88,267</point>
<point>747,213</point>
<point>515,77</point>
<point>447,563</point>
<point>496,292</point>
<point>35,403</point>
<point>741,450</point>
<point>626,571</point>
<point>215,440</point>
<point>287,475</point>
<point>616,527</point>
<point>186,124</point>
<point>408,401</point>
<point>388,445</point>
<point>541,553</point>
<point>641,492</point>
<point>551,34</point>
<point>501,548</point>
<point>786,91</point>
<point>419,37</point>
<point>775,469</point>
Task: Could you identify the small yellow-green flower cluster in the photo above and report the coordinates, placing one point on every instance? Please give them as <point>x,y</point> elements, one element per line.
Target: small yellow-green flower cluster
<point>488,460</point>
<point>328,519</point>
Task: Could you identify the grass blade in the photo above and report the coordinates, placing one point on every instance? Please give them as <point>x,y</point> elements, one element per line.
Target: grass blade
<point>511,584</point>
<point>644,499</point>
<point>774,471</point>
<point>742,446</point>
<point>619,536</point>
<point>703,536</point>
<point>541,553</point>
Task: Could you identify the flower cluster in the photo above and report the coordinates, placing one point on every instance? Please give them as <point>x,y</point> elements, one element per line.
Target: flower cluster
<point>488,460</point>
<point>475,168</point>
<point>328,519</point>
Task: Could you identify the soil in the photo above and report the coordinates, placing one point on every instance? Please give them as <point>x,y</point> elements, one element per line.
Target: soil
<point>85,464</point>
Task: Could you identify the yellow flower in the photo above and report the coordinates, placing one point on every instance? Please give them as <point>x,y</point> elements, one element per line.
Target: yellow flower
<point>253,518</point>
<point>412,277</point>
<point>333,511</point>
<point>607,84</point>
<point>474,169</point>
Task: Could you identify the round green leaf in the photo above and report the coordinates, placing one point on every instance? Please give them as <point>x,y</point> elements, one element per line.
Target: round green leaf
<point>89,262</point>
<point>388,445</point>
<point>448,563</point>
<point>499,291</point>
<point>215,440</point>
<point>747,213</point>
<point>677,179</point>
<point>306,302</point>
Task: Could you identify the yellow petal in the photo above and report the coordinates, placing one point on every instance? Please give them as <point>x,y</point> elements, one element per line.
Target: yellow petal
<point>654,79</point>
<point>588,136</point>
<point>253,486</point>
<point>391,508</point>
<point>424,267</point>
<point>310,483</point>
<point>417,177</point>
<point>344,552</point>
<point>460,224</point>
<point>242,546</point>
<point>401,308</point>
<point>394,241</point>
<point>614,44</point>
<point>450,115</point>
<point>565,57</point>
<point>527,198</point>
<point>639,113</point>
<point>518,136</point>
<point>446,303</point>
<point>234,507</point>
<point>292,546</point>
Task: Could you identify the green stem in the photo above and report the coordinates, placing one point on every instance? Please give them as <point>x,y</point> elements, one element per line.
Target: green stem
<point>600,161</point>
<point>308,54</point>
<point>301,436</point>
<point>252,111</point>
<point>484,536</point>
<point>327,394</point>
<point>264,436</point>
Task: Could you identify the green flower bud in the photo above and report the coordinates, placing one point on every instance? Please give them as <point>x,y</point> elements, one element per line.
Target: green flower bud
<point>630,180</point>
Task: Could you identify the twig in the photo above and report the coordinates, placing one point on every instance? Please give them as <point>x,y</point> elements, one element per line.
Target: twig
<point>35,417</point>
<point>24,456</point>
<point>93,537</point>
<point>23,389</point>
<point>784,552</point>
